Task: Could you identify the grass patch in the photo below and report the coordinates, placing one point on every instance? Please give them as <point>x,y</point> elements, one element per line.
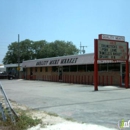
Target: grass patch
<point>70,119</point>
<point>25,121</point>
<point>51,114</point>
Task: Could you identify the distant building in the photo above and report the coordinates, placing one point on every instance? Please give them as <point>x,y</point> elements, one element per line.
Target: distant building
<point>13,68</point>
<point>2,68</point>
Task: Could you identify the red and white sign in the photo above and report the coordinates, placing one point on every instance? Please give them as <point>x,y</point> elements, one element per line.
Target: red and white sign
<point>112,50</point>
<point>110,47</point>
<point>111,37</point>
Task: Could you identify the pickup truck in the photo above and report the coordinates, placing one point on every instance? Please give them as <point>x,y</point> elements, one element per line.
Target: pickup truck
<point>11,76</point>
<point>5,75</point>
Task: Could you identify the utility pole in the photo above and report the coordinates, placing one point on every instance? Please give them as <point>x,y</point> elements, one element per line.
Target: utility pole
<point>18,58</point>
<point>80,47</point>
<point>83,48</point>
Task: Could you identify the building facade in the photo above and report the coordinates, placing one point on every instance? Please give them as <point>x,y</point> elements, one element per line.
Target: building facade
<point>75,69</point>
<point>13,69</point>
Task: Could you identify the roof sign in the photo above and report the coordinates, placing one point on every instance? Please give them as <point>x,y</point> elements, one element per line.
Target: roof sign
<point>111,37</point>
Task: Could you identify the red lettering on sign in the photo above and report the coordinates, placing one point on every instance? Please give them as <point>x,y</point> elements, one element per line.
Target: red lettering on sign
<point>120,46</point>
<point>112,42</point>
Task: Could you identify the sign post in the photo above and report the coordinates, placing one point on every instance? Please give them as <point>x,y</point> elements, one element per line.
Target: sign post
<point>127,75</point>
<point>110,47</point>
<point>127,69</point>
<point>95,66</point>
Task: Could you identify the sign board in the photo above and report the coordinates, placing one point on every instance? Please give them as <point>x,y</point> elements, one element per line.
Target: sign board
<point>19,68</point>
<point>110,47</point>
<point>112,50</point>
<point>111,37</point>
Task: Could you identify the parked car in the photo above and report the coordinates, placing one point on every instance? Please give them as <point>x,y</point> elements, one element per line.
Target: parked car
<point>5,75</point>
<point>11,76</point>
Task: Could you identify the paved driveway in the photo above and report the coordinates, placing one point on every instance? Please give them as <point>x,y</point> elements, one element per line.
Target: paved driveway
<point>104,107</point>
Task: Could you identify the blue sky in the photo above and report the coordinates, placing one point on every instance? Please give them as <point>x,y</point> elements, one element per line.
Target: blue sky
<point>69,20</point>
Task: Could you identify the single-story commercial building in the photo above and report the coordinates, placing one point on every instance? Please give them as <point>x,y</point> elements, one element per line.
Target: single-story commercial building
<point>13,69</point>
<point>75,69</point>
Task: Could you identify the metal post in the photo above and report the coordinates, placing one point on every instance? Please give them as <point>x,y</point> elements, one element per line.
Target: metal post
<point>127,75</point>
<point>18,58</point>
<point>83,50</point>
<point>11,112</point>
<point>127,70</point>
<point>80,47</point>
<point>95,66</point>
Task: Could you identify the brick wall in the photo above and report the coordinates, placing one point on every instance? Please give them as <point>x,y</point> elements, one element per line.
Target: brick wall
<point>104,78</point>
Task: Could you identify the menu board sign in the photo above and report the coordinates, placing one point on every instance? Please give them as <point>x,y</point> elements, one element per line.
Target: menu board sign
<point>112,50</point>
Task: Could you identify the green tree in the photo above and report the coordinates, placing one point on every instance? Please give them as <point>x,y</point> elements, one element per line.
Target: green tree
<point>23,50</point>
<point>29,50</point>
<point>11,54</point>
<point>62,48</point>
<point>39,49</point>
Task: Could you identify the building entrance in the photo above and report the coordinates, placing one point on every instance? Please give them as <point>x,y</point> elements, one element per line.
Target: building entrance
<point>60,71</point>
<point>123,74</point>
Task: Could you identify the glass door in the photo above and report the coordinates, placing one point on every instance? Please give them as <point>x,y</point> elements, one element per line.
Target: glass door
<point>123,73</point>
<point>60,71</point>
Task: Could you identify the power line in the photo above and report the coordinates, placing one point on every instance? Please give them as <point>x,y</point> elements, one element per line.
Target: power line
<point>81,48</point>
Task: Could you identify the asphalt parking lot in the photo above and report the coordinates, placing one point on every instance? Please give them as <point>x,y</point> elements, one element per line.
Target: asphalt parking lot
<point>104,107</point>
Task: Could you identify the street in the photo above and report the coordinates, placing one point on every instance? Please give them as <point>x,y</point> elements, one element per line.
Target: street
<point>80,102</point>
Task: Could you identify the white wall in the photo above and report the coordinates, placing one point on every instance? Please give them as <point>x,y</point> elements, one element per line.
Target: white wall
<point>2,68</point>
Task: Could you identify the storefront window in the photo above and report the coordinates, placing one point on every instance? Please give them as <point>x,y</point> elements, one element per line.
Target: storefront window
<point>114,67</point>
<point>40,69</point>
<point>54,69</point>
<point>82,68</point>
<point>46,69</point>
<point>66,68</point>
<point>102,67</point>
<point>31,69</point>
<point>90,67</point>
<point>24,69</point>
<point>73,68</point>
<point>35,69</point>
